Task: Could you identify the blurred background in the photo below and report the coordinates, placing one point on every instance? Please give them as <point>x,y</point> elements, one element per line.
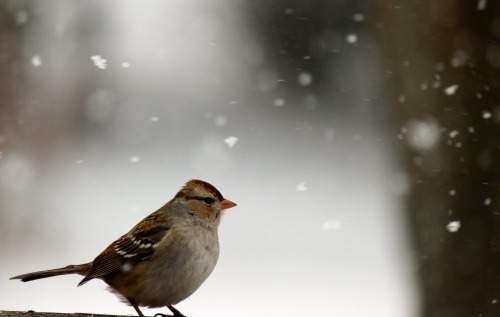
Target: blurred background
<point>360,140</point>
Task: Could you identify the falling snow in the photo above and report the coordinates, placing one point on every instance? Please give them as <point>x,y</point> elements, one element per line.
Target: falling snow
<point>279,102</point>
<point>459,59</point>
<point>99,62</point>
<point>331,99</point>
<point>301,187</point>
<point>451,90</point>
<point>358,17</point>
<point>305,79</point>
<point>351,38</point>
<point>231,141</point>
<point>481,5</point>
<point>36,61</point>
<point>453,226</point>
<point>126,267</point>
<point>423,135</point>
<point>332,224</point>
<point>21,17</point>
<point>220,121</point>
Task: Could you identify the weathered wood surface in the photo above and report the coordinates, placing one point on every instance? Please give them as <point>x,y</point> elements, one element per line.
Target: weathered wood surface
<point>30,313</point>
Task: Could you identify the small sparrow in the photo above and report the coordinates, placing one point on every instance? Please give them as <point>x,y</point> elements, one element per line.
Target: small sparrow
<point>165,257</point>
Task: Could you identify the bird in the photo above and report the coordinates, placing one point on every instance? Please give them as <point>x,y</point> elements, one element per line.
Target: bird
<point>163,259</point>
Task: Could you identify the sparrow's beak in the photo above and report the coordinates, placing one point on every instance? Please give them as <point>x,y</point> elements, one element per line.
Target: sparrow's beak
<point>226,204</point>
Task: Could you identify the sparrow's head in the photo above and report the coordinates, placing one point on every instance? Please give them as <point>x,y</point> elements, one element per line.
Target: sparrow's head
<point>203,201</point>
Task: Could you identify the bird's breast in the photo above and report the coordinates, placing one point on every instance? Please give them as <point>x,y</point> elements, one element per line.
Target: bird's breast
<point>183,264</point>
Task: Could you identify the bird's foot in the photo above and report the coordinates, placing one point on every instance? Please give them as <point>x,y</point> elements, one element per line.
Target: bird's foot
<point>173,310</point>
<point>165,315</point>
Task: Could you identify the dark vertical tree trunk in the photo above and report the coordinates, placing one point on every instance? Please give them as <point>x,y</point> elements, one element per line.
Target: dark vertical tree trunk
<point>442,60</point>
<point>12,19</point>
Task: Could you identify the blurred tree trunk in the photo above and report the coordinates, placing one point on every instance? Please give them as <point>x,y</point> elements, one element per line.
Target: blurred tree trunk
<point>13,16</point>
<point>442,62</point>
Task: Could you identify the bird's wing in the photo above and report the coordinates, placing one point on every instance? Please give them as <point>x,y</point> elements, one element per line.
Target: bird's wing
<point>137,245</point>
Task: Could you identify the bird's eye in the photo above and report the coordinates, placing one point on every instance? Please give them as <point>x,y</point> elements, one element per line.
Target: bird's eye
<point>208,200</point>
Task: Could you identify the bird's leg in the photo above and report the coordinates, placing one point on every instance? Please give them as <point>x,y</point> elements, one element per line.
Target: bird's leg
<point>134,304</point>
<point>173,310</point>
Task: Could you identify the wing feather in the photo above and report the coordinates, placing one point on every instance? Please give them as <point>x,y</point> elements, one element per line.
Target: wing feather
<point>137,245</point>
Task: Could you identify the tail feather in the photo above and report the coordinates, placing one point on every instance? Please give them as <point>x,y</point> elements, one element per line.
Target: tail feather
<point>70,269</point>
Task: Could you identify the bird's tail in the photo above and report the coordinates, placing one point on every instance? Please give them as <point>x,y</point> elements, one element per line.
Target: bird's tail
<point>81,269</point>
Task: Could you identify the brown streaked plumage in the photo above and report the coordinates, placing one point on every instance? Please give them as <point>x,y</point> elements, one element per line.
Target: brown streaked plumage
<point>165,257</point>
